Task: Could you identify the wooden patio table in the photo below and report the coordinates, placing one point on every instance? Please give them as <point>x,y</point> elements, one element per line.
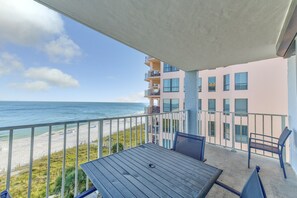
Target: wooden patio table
<point>150,171</point>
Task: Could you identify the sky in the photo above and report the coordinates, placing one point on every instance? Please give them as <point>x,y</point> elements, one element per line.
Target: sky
<point>45,56</point>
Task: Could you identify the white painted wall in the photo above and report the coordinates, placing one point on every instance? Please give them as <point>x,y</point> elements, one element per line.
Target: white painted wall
<point>292,109</point>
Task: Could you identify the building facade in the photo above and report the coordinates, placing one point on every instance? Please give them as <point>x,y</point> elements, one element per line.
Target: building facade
<point>233,100</point>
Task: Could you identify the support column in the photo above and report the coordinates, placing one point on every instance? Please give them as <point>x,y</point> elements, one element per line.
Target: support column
<point>292,109</point>
<point>191,100</point>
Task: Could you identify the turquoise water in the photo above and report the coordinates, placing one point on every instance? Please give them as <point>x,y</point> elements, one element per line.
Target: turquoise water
<point>27,113</point>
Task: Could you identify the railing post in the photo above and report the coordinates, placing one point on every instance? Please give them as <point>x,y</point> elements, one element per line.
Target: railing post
<point>146,129</point>
<point>31,161</point>
<point>233,132</point>
<point>171,129</point>
<point>64,161</point>
<point>100,138</point>
<point>9,159</point>
<point>49,161</point>
<point>76,161</point>
<point>283,124</point>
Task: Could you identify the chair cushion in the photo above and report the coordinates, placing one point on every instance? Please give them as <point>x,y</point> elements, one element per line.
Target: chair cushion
<point>264,147</point>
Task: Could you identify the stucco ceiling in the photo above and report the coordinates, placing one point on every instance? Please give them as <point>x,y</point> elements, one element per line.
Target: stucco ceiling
<point>190,34</point>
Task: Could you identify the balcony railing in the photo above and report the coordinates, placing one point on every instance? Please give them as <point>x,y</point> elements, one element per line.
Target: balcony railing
<point>152,92</point>
<point>153,73</point>
<point>153,109</point>
<point>51,151</point>
<point>232,130</point>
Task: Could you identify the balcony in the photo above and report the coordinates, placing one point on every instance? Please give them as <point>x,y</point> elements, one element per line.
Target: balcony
<point>53,160</point>
<point>152,93</point>
<point>151,75</point>
<point>149,59</point>
<point>151,110</point>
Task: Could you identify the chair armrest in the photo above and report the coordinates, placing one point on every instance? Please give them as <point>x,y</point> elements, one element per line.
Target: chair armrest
<point>228,188</point>
<point>257,134</point>
<point>256,139</point>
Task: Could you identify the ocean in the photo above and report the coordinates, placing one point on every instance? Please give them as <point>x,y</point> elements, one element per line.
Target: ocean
<point>25,113</point>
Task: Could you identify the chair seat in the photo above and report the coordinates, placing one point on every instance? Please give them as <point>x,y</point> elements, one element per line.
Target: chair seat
<point>264,147</point>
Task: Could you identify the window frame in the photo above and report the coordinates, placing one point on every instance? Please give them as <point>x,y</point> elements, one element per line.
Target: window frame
<point>240,113</point>
<point>226,86</point>
<point>208,107</point>
<point>240,139</point>
<point>215,83</point>
<point>168,86</point>
<point>225,132</point>
<point>240,85</point>
<point>211,130</point>
<point>224,106</point>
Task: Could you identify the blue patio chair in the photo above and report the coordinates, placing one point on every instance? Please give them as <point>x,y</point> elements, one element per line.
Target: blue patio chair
<point>5,194</point>
<point>253,188</point>
<point>86,193</point>
<point>190,145</point>
<point>268,143</point>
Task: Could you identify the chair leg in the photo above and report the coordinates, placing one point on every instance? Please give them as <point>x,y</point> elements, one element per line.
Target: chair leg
<point>283,166</point>
<point>249,157</point>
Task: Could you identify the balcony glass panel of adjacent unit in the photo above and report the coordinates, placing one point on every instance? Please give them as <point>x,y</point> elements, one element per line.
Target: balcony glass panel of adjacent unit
<point>241,81</point>
<point>170,105</point>
<point>199,84</point>
<point>241,133</point>
<point>169,68</point>
<point>241,107</point>
<point>226,131</point>
<point>199,104</point>
<point>171,85</point>
<point>227,82</point>
<point>211,128</point>
<point>212,84</point>
<point>211,106</point>
<point>226,106</point>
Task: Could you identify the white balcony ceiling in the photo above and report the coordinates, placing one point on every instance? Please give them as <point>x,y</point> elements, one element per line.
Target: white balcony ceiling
<point>190,34</point>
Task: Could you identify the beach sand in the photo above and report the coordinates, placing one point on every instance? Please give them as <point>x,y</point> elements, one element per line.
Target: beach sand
<point>21,147</point>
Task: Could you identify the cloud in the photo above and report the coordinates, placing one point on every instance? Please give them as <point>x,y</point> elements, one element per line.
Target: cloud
<point>32,86</point>
<point>9,63</point>
<point>136,97</point>
<point>53,77</point>
<point>62,49</point>
<point>27,22</point>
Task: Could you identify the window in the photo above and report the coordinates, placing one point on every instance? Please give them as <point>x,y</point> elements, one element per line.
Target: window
<point>241,81</point>
<point>226,106</point>
<point>169,68</point>
<point>226,131</point>
<point>199,84</point>
<point>170,105</point>
<point>241,107</point>
<point>211,84</point>
<point>171,85</point>
<point>211,106</point>
<point>227,82</point>
<point>211,128</point>
<point>241,133</point>
<point>167,125</point>
<point>199,104</point>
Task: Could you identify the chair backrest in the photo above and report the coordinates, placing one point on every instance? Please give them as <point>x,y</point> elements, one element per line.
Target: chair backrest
<point>284,136</point>
<point>5,194</point>
<point>253,187</point>
<point>190,145</point>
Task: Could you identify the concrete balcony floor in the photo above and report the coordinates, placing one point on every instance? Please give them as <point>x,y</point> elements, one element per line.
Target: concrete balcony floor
<point>235,173</point>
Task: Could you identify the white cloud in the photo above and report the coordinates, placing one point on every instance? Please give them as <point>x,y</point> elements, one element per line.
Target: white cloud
<point>32,86</point>
<point>27,22</point>
<point>9,63</point>
<point>62,49</point>
<point>136,97</point>
<point>53,77</point>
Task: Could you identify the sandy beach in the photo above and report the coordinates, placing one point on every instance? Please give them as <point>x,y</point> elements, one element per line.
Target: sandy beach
<point>21,147</point>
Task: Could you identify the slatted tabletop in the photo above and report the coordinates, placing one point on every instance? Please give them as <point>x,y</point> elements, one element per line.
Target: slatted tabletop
<point>151,171</point>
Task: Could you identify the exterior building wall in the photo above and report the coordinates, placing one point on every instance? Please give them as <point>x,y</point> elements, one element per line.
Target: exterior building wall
<point>266,94</point>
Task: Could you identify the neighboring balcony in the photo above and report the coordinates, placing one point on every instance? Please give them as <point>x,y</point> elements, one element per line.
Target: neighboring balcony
<point>152,93</point>
<point>152,110</point>
<point>153,74</point>
<point>149,59</point>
